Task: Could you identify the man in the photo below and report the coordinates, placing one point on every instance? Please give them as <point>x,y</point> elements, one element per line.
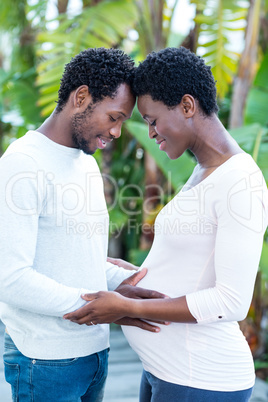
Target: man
<point>54,235</point>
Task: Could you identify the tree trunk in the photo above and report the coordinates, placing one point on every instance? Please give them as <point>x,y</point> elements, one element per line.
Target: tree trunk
<point>247,66</point>
<point>90,3</point>
<point>62,6</point>
<point>263,41</point>
<point>191,40</point>
<point>150,200</point>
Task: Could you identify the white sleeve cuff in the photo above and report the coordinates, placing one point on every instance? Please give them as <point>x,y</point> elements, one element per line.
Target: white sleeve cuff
<point>115,275</point>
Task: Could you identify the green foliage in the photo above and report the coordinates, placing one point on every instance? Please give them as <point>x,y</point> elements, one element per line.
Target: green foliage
<point>93,27</point>
<point>154,25</point>
<point>264,261</point>
<point>257,101</point>
<point>21,95</point>
<point>137,256</point>
<point>217,20</point>
<point>18,92</point>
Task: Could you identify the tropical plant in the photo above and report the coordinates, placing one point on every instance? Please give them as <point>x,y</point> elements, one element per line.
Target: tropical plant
<point>19,95</point>
<point>247,65</point>
<point>218,20</point>
<point>92,27</point>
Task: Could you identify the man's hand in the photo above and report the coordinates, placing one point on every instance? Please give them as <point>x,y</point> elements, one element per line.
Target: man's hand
<point>122,263</point>
<point>129,289</point>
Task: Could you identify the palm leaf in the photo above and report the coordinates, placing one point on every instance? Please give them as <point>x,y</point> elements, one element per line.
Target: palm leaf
<point>105,24</point>
<point>254,140</point>
<point>217,19</point>
<point>257,101</point>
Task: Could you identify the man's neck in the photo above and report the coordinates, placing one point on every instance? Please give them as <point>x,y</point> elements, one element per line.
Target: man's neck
<point>57,128</point>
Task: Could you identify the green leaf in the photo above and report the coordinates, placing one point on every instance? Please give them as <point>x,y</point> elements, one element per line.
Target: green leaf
<point>217,18</point>
<point>264,260</point>
<point>261,79</point>
<point>102,25</point>
<point>246,135</point>
<point>256,106</point>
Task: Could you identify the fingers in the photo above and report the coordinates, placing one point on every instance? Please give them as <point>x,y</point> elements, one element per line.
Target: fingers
<point>161,322</point>
<point>149,294</point>
<point>135,278</point>
<point>78,314</point>
<point>135,322</point>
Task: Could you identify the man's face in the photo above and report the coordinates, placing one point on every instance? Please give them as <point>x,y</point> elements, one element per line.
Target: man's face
<point>101,122</point>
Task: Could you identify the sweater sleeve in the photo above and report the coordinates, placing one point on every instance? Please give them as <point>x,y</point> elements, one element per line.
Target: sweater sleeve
<point>115,275</point>
<point>21,201</point>
<point>241,213</point>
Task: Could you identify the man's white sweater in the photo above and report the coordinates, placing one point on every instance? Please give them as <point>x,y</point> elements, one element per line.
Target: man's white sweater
<point>53,247</point>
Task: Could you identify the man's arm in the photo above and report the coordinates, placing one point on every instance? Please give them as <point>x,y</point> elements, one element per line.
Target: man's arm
<point>21,201</point>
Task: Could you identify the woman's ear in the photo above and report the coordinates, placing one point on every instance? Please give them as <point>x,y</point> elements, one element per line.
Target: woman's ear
<point>188,105</point>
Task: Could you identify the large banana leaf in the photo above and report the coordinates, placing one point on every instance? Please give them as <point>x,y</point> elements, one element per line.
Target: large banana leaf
<point>217,20</point>
<point>254,140</point>
<point>105,24</point>
<point>177,171</point>
<point>257,101</point>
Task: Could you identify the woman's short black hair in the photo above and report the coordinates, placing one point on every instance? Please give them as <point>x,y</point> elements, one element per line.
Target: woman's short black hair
<point>102,70</point>
<point>173,72</point>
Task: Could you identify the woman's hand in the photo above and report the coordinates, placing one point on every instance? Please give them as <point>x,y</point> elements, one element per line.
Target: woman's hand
<point>107,307</point>
<point>104,307</point>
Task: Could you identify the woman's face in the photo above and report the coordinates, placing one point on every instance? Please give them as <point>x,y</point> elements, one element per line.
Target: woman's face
<point>170,128</point>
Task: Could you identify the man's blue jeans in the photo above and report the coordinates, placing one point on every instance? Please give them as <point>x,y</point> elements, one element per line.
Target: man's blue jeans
<point>67,380</point>
<point>155,390</point>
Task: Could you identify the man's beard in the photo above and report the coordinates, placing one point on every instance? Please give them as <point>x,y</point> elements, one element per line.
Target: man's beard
<point>78,123</point>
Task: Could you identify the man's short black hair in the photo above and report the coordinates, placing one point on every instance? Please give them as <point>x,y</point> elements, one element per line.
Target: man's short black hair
<point>102,70</point>
<point>173,72</point>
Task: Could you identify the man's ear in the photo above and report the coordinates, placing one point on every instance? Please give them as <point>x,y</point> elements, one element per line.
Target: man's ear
<point>188,105</point>
<point>81,95</point>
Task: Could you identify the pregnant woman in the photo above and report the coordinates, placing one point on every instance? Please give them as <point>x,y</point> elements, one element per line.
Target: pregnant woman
<point>206,249</point>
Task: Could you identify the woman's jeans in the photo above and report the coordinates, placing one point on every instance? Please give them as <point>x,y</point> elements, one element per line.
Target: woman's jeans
<point>155,390</point>
<point>67,380</point>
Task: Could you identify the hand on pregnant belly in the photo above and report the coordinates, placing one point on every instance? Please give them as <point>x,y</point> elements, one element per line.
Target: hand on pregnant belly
<point>107,307</point>
<point>103,308</point>
<point>128,288</point>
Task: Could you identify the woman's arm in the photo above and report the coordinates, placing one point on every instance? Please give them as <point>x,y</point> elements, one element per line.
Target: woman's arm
<point>107,307</point>
<point>241,211</point>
